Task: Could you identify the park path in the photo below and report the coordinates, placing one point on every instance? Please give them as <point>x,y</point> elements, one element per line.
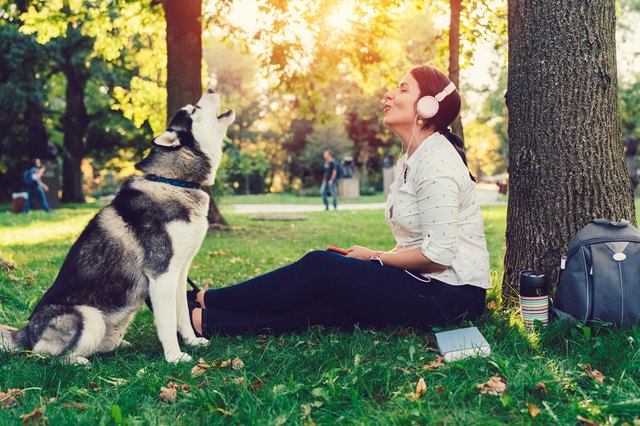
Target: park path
<point>487,195</point>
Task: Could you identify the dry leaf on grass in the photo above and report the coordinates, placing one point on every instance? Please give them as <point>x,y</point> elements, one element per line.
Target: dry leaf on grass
<point>541,388</point>
<point>598,376</point>
<point>492,305</point>
<point>6,265</point>
<point>168,394</point>
<point>200,368</point>
<point>35,417</point>
<point>9,398</point>
<point>238,380</point>
<point>433,365</point>
<point>256,385</point>
<point>496,385</point>
<point>237,364</point>
<point>533,409</point>
<point>421,388</point>
<point>218,363</point>
<point>587,421</point>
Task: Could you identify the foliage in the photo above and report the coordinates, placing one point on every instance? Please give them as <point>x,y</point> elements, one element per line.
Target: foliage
<point>321,376</point>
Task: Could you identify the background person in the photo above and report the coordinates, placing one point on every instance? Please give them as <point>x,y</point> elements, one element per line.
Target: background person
<point>329,180</point>
<point>35,186</point>
<point>437,273</point>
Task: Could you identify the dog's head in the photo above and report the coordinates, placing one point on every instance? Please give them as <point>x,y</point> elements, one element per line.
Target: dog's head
<point>196,132</point>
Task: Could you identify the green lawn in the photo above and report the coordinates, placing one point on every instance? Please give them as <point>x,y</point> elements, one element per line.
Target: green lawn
<point>321,376</point>
<point>289,198</point>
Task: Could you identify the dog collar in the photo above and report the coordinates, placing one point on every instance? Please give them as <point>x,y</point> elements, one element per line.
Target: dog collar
<point>174,182</point>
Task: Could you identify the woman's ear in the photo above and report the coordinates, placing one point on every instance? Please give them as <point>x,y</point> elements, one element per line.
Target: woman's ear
<point>167,140</point>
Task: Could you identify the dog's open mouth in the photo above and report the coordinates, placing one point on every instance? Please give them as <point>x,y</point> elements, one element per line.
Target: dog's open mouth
<point>225,114</point>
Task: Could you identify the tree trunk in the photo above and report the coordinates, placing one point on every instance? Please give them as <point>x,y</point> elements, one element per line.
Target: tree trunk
<point>36,131</point>
<point>75,120</point>
<point>566,162</point>
<point>184,53</point>
<point>454,57</point>
<point>184,67</point>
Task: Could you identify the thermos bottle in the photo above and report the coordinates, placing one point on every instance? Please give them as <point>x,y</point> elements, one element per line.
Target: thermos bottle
<point>534,298</point>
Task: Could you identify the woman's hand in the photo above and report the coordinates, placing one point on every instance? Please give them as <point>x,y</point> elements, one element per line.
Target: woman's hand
<point>360,252</point>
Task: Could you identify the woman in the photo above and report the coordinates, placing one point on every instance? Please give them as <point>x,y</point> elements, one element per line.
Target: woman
<point>437,273</point>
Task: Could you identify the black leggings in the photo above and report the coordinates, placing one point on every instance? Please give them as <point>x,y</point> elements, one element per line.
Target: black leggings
<point>334,290</point>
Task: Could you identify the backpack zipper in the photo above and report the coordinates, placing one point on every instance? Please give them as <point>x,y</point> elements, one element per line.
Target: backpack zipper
<point>600,240</point>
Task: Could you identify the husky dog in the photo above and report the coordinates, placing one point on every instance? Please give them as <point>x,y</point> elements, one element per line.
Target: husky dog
<point>139,246</point>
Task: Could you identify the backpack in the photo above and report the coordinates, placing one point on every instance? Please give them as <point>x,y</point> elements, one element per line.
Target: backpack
<point>339,170</point>
<point>599,277</point>
<point>28,179</point>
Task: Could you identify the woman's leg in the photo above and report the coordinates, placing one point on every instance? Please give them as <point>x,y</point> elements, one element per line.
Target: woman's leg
<point>361,291</point>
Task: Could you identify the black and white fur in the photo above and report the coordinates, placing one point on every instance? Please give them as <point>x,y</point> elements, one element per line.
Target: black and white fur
<point>141,245</point>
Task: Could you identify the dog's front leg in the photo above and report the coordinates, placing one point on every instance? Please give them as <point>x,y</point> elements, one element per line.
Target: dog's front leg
<point>163,298</point>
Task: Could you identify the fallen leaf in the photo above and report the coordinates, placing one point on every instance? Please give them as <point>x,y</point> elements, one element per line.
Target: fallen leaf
<point>598,376</point>
<point>433,365</point>
<point>200,368</point>
<point>9,398</point>
<point>587,421</point>
<point>224,412</point>
<point>168,394</point>
<point>541,387</point>
<point>207,283</point>
<point>306,410</point>
<point>93,386</point>
<point>34,417</point>
<point>238,380</point>
<point>496,385</point>
<point>533,409</point>
<point>220,363</point>
<point>421,388</point>
<point>13,278</point>
<point>256,385</point>
<point>237,364</point>
<point>6,265</point>
<point>492,305</point>
<point>438,389</point>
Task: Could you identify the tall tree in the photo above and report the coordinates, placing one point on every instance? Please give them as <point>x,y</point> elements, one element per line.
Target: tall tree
<point>454,56</point>
<point>184,68</point>
<point>566,155</point>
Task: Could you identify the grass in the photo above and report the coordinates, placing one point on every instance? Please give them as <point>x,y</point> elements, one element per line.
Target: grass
<point>321,376</point>
<point>290,198</point>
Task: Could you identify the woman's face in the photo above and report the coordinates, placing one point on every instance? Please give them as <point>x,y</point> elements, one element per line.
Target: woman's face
<point>400,104</point>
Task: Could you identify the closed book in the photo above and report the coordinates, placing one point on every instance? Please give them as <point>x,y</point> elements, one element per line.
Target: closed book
<point>462,343</point>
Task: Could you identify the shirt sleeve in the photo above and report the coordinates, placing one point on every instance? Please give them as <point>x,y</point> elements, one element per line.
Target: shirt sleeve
<point>437,197</point>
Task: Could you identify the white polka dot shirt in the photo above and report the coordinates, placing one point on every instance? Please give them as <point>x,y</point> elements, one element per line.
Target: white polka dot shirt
<point>432,205</point>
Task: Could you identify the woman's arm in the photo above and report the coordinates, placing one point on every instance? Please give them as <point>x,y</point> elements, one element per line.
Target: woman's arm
<point>412,260</point>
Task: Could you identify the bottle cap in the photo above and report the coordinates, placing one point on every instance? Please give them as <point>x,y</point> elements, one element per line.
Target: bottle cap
<point>532,278</point>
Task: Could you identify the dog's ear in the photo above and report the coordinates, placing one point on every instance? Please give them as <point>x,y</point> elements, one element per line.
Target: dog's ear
<point>167,140</point>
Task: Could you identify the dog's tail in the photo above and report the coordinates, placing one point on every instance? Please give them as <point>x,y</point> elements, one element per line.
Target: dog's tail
<point>12,339</point>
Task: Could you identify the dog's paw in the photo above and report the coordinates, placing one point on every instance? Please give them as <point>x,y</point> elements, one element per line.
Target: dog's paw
<point>122,344</point>
<point>197,341</point>
<point>175,357</point>
<point>76,360</point>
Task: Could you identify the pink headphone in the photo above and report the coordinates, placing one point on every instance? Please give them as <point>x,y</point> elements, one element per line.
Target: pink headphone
<point>428,106</point>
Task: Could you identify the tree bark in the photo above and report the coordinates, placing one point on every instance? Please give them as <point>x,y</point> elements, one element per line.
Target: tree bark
<point>184,53</point>
<point>184,68</point>
<point>76,49</point>
<point>566,161</point>
<point>454,57</point>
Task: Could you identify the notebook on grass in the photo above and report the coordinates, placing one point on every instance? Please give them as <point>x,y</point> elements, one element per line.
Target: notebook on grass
<point>462,343</point>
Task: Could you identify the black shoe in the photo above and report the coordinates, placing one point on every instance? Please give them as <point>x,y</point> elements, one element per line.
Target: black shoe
<point>192,294</point>
<point>203,322</point>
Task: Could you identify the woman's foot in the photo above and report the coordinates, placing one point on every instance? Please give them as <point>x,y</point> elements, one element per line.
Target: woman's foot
<point>195,314</point>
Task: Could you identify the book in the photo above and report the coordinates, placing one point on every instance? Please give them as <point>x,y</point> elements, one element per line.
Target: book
<point>462,343</point>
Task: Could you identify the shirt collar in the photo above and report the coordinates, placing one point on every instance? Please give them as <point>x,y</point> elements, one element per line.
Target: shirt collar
<point>422,149</point>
